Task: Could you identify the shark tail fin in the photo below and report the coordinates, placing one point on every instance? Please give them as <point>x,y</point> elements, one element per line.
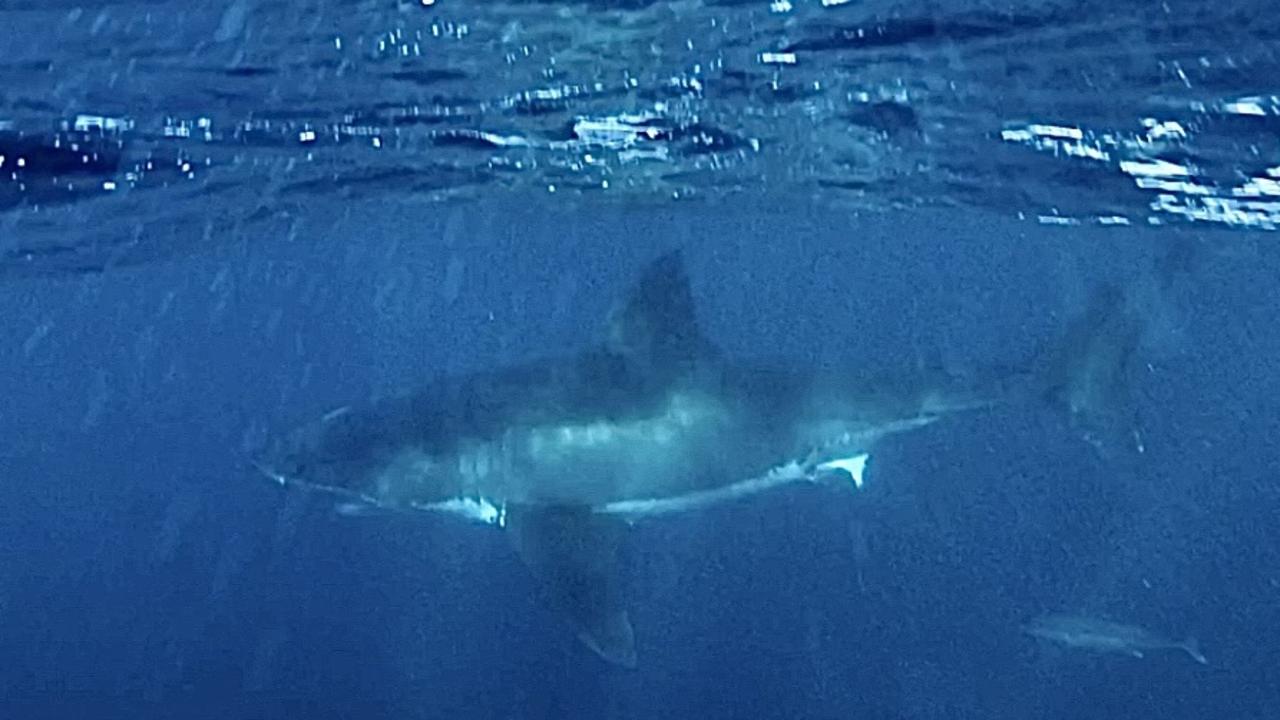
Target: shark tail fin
<point>1086,373</point>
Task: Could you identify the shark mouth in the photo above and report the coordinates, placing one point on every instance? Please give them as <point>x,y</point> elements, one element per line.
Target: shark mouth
<point>477,509</point>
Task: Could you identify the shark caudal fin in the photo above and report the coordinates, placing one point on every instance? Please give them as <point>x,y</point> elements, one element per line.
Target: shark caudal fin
<point>1087,373</point>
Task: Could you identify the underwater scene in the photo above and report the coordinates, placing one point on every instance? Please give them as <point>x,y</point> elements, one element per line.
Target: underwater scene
<point>795,359</point>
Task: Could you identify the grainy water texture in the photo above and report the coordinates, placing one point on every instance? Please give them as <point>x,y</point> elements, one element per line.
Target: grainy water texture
<point>1035,238</point>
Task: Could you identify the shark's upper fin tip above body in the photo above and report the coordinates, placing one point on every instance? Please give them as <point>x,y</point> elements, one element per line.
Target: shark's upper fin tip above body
<point>656,326</point>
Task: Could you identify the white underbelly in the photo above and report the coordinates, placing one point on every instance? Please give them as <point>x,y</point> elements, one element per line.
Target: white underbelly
<point>691,443</point>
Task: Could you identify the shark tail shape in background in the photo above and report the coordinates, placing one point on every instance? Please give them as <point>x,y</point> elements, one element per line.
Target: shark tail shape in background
<point>1086,374</point>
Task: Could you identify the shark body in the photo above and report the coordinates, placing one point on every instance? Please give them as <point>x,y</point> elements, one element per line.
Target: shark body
<point>1104,636</point>
<point>562,454</point>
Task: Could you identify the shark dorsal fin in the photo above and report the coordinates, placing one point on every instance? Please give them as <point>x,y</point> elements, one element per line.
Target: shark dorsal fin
<point>655,328</point>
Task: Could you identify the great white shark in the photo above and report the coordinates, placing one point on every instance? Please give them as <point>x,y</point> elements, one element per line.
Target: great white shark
<point>563,454</point>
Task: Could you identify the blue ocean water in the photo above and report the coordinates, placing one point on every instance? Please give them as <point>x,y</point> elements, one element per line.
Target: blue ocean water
<point>949,192</point>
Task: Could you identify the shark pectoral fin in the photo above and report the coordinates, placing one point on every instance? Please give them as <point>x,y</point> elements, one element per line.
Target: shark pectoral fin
<point>1192,647</point>
<point>354,509</point>
<point>574,554</point>
<point>612,638</point>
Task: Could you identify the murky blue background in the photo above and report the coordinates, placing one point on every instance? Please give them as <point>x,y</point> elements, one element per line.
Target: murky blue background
<point>156,323</point>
